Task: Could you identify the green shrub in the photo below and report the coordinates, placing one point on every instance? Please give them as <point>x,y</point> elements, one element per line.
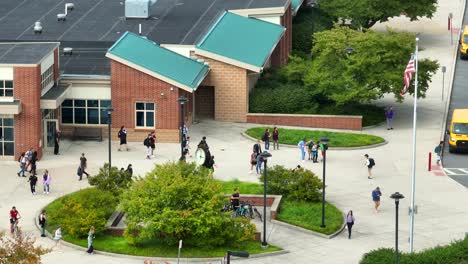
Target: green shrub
<point>180,201</point>
<point>456,253</point>
<point>114,182</point>
<point>296,185</point>
<point>77,212</point>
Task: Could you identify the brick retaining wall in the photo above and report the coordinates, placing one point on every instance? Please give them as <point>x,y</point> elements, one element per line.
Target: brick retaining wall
<point>316,121</point>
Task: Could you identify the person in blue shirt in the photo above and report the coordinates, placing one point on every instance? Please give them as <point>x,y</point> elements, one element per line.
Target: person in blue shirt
<point>302,146</point>
<point>389,116</point>
<point>376,198</point>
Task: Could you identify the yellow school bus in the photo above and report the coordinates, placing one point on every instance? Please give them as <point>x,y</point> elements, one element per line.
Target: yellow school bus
<point>458,131</point>
<point>464,42</point>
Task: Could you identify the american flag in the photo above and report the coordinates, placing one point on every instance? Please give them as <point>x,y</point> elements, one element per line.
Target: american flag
<point>408,75</point>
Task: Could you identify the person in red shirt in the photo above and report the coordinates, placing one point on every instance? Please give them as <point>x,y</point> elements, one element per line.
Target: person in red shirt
<point>14,216</point>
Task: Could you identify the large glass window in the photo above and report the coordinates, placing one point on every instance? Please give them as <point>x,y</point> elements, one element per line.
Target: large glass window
<point>7,135</point>
<point>6,88</point>
<point>47,77</point>
<point>88,112</point>
<point>144,114</point>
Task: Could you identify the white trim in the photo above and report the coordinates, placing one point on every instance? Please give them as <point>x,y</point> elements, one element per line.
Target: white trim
<point>144,114</point>
<point>6,73</point>
<point>149,72</point>
<point>183,50</point>
<point>54,104</point>
<point>47,62</point>
<point>260,11</point>
<point>228,60</point>
<point>10,109</point>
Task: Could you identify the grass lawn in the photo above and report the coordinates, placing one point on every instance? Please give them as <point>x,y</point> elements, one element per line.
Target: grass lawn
<point>244,187</point>
<point>309,215</point>
<point>154,248</point>
<point>337,139</point>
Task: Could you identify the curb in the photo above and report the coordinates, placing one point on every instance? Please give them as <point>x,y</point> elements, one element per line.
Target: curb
<point>307,231</point>
<point>150,258</point>
<point>330,148</point>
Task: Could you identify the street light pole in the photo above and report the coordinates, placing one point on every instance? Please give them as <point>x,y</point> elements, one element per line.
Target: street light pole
<point>397,196</point>
<point>444,69</point>
<point>182,100</point>
<point>265,155</point>
<point>325,140</point>
<point>109,122</point>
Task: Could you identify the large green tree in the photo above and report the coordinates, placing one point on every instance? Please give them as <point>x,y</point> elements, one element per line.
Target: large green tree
<point>365,13</point>
<point>180,201</point>
<point>373,69</point>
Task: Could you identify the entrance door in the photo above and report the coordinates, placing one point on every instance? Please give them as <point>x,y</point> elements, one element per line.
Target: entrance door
<point>204,102</point>
<point>50,127</point>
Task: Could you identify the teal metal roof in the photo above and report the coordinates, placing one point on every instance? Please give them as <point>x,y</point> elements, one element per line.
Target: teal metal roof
<point>149,55</point>
<point>295,5</point>
<point>247,40</point>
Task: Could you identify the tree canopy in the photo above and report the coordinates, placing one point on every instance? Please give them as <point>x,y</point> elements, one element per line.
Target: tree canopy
<point>180,201</point>
<point>374,68</point>
<point>365,13</point>
<point>115,182</point>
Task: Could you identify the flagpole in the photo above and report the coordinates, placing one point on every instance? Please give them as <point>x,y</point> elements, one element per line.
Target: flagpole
<point>413,176</point>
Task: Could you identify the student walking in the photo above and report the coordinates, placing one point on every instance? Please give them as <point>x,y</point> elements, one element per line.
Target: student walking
<point>32,182</point>
<point>258,166</point>
<point>275,138</point>
<point>152,142</point>
<point>302,145</point>
<point>370,163</point>
<point>83,164</point>
<point>57,141</point>
<point>22,160</point>
<point>315,152</point>
<point>266,138</point>
<point>253,161</point>
<point>46,181</point>
<point>58,237</point>
<point>29,155</point>
<point>42,222</point>
<point>90,240</point>
<point>376,198</point>
<point>257,148</point>
<point>147,144</point>
<point>438,151</point>
<point>122,135</point>
<point>389,116</point>
<point>310,145</point>
<point>349,222</point>
<point>32,162</point>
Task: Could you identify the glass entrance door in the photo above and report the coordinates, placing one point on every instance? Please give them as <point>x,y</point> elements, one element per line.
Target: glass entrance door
<point>50,127</point>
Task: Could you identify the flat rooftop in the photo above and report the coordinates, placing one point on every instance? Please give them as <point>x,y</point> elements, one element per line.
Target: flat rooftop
<point>25,53</point>
<point>170,22</point>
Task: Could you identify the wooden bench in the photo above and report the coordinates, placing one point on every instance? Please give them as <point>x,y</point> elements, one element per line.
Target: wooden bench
<point>87,133</point>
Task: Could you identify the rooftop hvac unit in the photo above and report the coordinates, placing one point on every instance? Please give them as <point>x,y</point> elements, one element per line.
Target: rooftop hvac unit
<point>138,8</point>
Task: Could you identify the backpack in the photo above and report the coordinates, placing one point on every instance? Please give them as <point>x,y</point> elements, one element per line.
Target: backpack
<point>437,149</point>
<point>371,162</point>
<point>264,137</point>
<point>146,142</point>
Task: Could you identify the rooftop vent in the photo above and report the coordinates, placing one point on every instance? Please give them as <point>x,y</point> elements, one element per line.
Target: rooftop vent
<point>61,17</point>
<point>68,7</point>
<point>37,27</point>
<point>138,8</point>
<point>67,51</point>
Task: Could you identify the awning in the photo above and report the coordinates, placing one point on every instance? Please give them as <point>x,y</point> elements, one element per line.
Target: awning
<point>55,96</point>
<point>10,108</point>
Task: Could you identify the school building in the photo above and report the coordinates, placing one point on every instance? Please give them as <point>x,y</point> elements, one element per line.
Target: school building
<point>63,65</point>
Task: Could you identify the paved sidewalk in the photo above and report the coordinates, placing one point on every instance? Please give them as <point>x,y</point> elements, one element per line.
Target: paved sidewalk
<point>439,199</point>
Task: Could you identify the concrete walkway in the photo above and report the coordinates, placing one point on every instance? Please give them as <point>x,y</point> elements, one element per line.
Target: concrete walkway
<point>440,200</point>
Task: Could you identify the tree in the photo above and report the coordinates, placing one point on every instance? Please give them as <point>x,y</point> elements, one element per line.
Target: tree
<point>115,182</point>
<point>180,201</point>
<point>365,13</point>
<point>375,68</point>
<point>20,249</point>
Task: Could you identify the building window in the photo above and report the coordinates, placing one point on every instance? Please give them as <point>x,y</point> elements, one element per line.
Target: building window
<point>47,77</point>
<point>86,112</point>
<point>144,112</point>
<point>7,142</point>
<point>6,88</point>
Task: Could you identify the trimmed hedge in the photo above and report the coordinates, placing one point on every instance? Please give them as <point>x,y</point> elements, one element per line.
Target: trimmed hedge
<point>455,253</point>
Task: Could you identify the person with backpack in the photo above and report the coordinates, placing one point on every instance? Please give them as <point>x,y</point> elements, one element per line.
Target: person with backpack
<point>91,232</point>
<point>253,160</point>
<point>46,181</point>
<point>266,139</point>
<point>32,182</point>
<point>42,222</point>
<point>258,166</point>
<point>22,160</point>
<point>147,144</point>
<point>376,198</point>
<point>323,147</point>
<point>350,222</point>
<point>275,138</point>
<point>302,145</point>
<point>438,151</point>
<point>122,135</point>
<point>310,145</point>
<point>389,116</point>
<point>315,152</point>
<point>370,163</point>
<point>257,148</point>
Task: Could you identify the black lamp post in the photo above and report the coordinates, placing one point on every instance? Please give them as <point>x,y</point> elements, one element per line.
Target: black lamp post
<point>241,254</point>
<point>324,141</point>
<point>397,196</point>
<point>265,155</point>
<point>182,100</point>
<point>109,122</point>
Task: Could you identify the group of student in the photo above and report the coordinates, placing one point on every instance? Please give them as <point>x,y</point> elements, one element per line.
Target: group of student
<point>312,149</point>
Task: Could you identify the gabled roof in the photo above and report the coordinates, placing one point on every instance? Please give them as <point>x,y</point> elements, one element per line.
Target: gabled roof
<point>25,53</point>
<point>241,41</point>
<point>148,57</point>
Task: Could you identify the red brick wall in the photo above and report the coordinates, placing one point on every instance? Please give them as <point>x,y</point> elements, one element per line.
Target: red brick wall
<point>129,86</point>
<point>28,127</point>
<point>56,64</point>
<point>319,121</point>
<point>280,55</point>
